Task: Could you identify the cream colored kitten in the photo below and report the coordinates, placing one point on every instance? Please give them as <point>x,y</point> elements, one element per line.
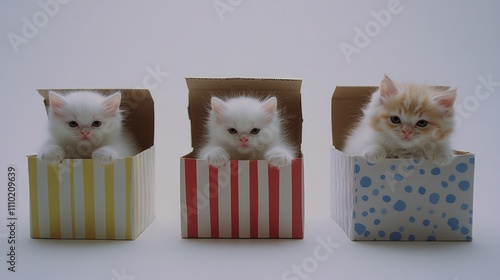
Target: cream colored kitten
<point>403,121</point>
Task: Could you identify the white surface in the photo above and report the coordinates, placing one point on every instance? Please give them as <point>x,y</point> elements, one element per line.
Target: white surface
<point>112,44</point>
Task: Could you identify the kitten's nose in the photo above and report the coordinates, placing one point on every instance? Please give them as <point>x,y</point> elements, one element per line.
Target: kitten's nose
<point>244,140</point>
<point>85,133</point>
<point>407,132</point>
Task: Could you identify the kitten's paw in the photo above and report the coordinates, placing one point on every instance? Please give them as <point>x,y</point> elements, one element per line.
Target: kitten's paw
<point>104,155</point>
<point>278,157</point>
<point>442,159</point>
<point>375,155</point>
<point>217,157</point>
<point>52,155</point>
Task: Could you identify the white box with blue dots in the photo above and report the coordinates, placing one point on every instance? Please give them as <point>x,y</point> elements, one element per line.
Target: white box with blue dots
<point>397,199</point>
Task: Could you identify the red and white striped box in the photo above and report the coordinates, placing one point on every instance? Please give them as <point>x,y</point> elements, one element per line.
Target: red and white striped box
<point>244,198</point>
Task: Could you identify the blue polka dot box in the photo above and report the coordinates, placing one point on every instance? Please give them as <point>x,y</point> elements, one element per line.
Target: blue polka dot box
<point>397,199</point>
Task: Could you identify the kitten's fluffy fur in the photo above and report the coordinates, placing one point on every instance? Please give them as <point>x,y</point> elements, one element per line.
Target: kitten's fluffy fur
<point>85,124</point>
<point>405,120</point>
<point>244,128</point>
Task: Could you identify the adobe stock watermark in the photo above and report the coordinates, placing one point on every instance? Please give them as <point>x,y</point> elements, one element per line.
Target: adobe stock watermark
<point>310,264</point>
<point>154,77</point>
<point>363,37</point>
<point>5,240</point>
<point>152,80</point>
<point>472,102</point>
<point>31,26</point>
<point>202,197</point>
<point>398,173</point>
<point>223,6</point>
<point>121,275</point>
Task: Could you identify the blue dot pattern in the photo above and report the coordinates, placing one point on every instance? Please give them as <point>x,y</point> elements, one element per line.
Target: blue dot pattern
<point>434,198</point>
<point>462,167</point>
<point>399,177</point>
<point>464,185</point>
<point>402,200</point>
<point>365,182</point>
<point>421,190</point>
<point>450,198</point>
<point>400,206</point>
<point>408,189</point>
<point>436,171</point>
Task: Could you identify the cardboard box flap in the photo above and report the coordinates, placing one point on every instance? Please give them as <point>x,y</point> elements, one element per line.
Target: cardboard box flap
<point>138,107</point>
<point>347,105</point>
<point>287,91</point>
<point>243,83</point>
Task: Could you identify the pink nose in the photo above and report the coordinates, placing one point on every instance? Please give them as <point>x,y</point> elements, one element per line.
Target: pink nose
<point>85,133</point>
<point>407,132</point>
<point>244,140</point>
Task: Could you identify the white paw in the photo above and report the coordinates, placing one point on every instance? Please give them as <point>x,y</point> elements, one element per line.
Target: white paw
<point>217,157</point>
<point>442,158</point>
<point>52,154</point>
<point>104,155</point>
<point>278,157</point>
<point>375,155</point>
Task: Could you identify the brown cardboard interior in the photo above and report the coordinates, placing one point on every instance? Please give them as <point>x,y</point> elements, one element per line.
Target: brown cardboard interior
<point>287,91</point>
<point>347,105</point>
<point>138,111</point>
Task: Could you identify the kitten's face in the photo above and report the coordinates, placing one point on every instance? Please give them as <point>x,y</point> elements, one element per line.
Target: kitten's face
<point>83,118</point>
<point>412,115</point>
<point>243,123</point>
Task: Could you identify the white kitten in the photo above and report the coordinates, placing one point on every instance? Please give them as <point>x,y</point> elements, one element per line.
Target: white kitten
<point>245,128</point>
<point>85,124</point>
<point>403,121</point>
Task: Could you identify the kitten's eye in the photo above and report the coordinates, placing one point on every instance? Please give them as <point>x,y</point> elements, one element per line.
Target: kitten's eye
<point>96,124</point>
<point>422,123</point>
<point>395,120</point>
<point>255,131</point>
<point>73,124</point>
<point>232,131</point>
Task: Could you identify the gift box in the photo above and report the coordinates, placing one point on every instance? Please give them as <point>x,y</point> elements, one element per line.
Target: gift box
<point>244,198</point>
<point>83,199</point>
<point>396,199</point>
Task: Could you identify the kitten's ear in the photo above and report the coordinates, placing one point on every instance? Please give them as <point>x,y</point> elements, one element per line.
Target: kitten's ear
<point>219,108</point>
<point>388,87</point>
<point>57,103</point>
<point>447,98</point>
<point>270,107</point>
<point>112,103</point>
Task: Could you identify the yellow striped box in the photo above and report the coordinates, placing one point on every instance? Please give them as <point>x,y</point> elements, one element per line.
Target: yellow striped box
<point>83,199</point>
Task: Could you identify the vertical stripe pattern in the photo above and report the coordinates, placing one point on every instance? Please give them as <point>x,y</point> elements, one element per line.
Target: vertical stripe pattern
<point>235,218</point>
<point>214,201</point>
<point>82,199</point>
<point>33,186</point>
<point>341,197</point>
<point>244,199</point>
<point>191,202</point>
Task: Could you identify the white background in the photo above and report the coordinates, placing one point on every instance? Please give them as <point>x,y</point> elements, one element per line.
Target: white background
<point>112,44</point>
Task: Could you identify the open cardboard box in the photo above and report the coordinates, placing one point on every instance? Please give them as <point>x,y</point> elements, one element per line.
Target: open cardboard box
<point>397,199</point>
<point>245,198</point>
<point>83,199</point>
